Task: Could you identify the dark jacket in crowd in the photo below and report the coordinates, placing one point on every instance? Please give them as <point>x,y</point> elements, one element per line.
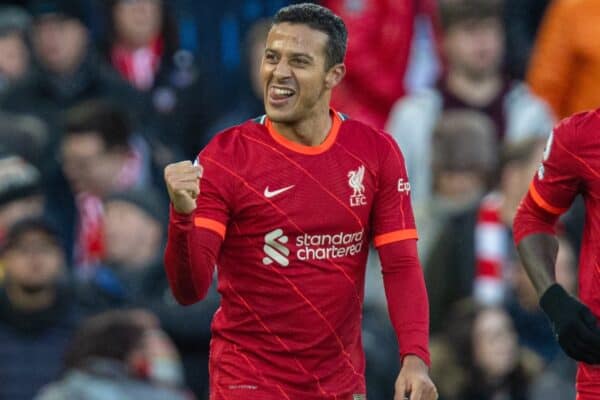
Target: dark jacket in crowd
<point>450,268</point>
<point>32,345</point>
<point>189,327</point>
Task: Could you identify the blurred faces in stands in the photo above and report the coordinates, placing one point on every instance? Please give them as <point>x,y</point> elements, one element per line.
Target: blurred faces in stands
<point>519,162</point>
<point>20,192</point>
<point>95,147</point>
<point>59,37</point>
<point>137,22</point>
<point>473,37</point>
<point>33,262</point>
<point>464,156</point>
<point>132,338</point>
<point>14,54</point>
<point>133,228</point>
<point>495,346</point>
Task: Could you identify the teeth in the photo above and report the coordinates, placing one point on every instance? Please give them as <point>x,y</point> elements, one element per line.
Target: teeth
<point>283,92</point>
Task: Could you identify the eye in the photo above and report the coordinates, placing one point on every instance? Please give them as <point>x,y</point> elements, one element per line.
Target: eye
<point>301,62</point>
<point>270,57</point>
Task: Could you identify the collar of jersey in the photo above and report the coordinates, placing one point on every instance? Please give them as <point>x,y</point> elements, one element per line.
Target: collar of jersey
<point>301,148</point>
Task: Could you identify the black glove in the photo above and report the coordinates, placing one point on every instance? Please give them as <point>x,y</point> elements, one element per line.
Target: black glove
<point>573,324</point>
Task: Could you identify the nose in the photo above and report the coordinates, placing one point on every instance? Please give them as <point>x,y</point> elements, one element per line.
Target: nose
<point>281,70</point>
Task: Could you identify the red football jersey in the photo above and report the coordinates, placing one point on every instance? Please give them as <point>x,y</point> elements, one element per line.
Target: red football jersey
<point>571,166</point>
<point>296,223</point>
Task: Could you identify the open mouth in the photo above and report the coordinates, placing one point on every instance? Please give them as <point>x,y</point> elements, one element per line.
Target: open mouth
<point>279,96</point>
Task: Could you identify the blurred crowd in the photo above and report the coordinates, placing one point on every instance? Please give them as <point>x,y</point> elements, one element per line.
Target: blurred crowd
<point>97,96</point>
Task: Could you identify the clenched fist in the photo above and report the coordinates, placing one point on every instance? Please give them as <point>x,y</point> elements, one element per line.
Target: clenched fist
<point>183,185</point>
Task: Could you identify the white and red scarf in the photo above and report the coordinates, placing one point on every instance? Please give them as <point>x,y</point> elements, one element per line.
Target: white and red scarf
<point>138,66</point>
<point>491,251</point>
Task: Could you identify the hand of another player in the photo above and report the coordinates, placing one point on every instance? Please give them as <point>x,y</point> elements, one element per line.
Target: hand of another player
<point>574,325</point>
<point>183,184</point>
<point>413,382</point>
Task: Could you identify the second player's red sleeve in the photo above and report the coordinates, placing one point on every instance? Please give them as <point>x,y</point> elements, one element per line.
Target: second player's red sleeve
<point>393,217</point>
<point>406,295</point>
<point>555,185</point>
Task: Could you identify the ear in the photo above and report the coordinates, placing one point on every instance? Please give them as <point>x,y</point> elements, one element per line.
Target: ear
<point>335,75</point>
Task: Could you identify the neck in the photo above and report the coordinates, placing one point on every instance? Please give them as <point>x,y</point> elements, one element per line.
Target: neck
<point>477,91</point>
<point>28,301</point>
<point>309,132</point>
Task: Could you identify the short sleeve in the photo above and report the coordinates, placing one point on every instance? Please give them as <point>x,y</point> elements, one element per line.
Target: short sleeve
<point>393,218</point>
<point>558,179</point>
<point>214,202</point>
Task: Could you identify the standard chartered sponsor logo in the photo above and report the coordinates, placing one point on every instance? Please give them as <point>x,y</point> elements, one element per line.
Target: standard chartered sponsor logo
<point>311,247</point>
<point>321,247</point>
<point>275,249</point>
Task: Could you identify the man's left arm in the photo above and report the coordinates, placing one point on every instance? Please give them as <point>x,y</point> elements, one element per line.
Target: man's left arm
<point>409,312</point>
<point>395,238</point>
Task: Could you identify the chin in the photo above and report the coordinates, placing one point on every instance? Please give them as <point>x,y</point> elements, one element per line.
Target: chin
<point>280,115</point>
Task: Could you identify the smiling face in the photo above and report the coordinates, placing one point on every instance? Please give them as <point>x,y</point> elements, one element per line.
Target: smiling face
<point>295,79</point>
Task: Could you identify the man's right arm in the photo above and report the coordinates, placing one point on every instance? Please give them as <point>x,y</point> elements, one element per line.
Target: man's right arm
<point>550,194</point>
<point>573,323</point>
<point>191,251</point>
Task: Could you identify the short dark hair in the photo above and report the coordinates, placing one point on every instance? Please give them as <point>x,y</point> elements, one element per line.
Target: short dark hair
<point>520,151</point>
<point>101,117</point>
<point>321,19</point>
<point>111,335</point>
<point>454,12</point>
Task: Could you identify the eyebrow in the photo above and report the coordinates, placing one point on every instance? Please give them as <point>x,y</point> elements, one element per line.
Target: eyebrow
<point>305,55</point>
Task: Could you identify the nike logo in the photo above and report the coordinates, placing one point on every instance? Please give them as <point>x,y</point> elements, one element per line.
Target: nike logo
<point>269,194</point>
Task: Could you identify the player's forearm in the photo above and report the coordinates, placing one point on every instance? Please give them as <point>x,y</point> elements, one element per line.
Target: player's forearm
<point>189,275</point>
<point>533,230</point>
<point>538,254</point>
<point>407,297</point>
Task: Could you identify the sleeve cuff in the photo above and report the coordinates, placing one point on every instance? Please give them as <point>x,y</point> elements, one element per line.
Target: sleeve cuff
<point>179,218</point>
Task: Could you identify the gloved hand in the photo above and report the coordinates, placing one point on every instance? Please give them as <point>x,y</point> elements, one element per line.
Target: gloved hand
<point>574,325</point>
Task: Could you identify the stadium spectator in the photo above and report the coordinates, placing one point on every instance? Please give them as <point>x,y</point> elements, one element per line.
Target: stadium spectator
<point>14,52</point>
<point>486,348</point>
<point>565,64</point>
<point>464,165</point>
<point>131,274</point>
<point>250,103</point>
<point>119,355</point>
<point>20,192</point>
<point>472,255</point>
<point>380,37</point>
<point>143,47</point>
<point>465,159</point>
<point>69,70</point>
<point>473,44</point>
<point>521,19</point>
<point>37,312</point>
<point>26,136</point>
<point>99,155</point>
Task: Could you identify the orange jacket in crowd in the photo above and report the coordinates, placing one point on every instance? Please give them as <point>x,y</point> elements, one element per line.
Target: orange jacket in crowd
<point>565,65</point>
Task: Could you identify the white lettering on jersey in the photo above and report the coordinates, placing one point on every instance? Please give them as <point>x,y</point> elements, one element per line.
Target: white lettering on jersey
<point>355,181</point>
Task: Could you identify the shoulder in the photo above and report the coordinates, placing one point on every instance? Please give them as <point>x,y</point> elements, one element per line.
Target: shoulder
<point>233,141</point>
<point>578,129</point>
<point>369,139</point>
